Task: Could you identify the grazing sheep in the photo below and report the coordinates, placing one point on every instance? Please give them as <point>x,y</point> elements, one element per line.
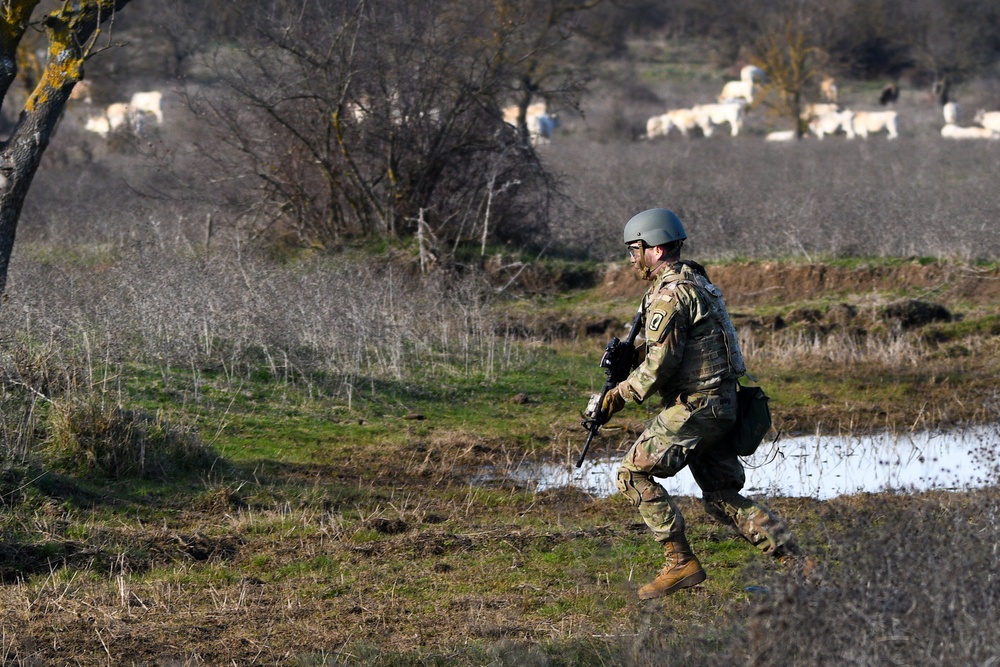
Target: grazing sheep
<point>150,102</point>
<point>710,115</point>
<point>873,122</point>
<point>811,111</point>
<point>988,119</point>
<point>658,126</point>
<point>98,124</point>
<point>952,131</point>
<point>780,135</point>
<point>685,120</point>
<point>117,114</point>
<point>831,122</point>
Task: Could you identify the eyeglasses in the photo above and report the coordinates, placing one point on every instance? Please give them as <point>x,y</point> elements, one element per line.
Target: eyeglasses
<point>635,250</point>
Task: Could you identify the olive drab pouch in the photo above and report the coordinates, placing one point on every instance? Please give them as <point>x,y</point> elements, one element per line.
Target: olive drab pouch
<point>753,420</point>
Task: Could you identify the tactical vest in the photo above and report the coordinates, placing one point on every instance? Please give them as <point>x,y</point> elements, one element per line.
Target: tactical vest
<point>711,355</point>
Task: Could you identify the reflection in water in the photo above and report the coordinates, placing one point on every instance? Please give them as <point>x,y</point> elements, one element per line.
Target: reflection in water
<point>824,466</point>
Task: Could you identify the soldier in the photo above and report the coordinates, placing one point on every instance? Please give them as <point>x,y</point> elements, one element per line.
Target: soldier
<point>692,361</point>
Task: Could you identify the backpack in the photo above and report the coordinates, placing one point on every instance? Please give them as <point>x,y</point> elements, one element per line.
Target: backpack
<point>753,420</point>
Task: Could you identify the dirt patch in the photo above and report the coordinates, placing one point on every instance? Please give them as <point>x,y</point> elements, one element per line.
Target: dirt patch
<point>765,283</point>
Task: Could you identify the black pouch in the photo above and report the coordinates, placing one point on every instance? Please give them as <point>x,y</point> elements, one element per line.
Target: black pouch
<point>753,420</point>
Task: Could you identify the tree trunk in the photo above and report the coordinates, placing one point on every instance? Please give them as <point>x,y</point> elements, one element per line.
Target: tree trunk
<point>71,32</point>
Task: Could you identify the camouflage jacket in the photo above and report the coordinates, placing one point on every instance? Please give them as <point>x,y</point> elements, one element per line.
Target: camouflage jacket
<point>691,344</point>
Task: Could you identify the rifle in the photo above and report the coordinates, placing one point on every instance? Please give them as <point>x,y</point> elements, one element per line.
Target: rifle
<point>617,362</point>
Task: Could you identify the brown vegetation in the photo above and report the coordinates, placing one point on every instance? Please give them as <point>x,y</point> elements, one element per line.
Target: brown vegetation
<point>218,451</point>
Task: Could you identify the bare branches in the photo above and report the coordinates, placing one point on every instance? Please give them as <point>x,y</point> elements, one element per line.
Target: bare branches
<point>380,119</point>
<point>786,55</point>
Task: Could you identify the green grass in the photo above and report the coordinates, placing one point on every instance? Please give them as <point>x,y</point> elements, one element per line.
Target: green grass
<point>360,528</point>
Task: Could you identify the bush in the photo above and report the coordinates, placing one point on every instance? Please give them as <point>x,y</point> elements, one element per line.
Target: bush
<point>95,437</point>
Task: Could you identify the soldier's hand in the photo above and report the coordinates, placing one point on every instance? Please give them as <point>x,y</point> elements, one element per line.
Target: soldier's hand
<point>613,402</point>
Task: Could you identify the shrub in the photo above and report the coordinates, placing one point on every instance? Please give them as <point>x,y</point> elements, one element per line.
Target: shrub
<point>95,437</point>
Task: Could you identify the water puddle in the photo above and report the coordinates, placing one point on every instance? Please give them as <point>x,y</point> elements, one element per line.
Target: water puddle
<point>822,466</point>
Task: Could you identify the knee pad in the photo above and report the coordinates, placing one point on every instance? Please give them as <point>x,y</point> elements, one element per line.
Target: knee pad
<point>638,488</point>
<point>627,487</point>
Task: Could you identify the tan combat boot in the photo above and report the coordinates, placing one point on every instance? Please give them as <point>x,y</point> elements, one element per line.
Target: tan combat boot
<point>681,571</point>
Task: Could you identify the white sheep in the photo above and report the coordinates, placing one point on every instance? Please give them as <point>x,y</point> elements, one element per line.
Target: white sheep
<point>685,120</point>
<point>737,90</point>
<point>710,115</point>
<point>658,126</point>
<point>98,125</point>
<point>872,122</point>
<point>988,119</point>
<point>117,115</point>
<point>831,122</point>
<point>952,131</point>
<point>780,135</point>
<point>149,102</point>
<point>811,111</point>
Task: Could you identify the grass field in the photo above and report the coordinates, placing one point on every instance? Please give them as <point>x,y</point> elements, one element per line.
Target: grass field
<point>310,497</point>
<point>217,458</point>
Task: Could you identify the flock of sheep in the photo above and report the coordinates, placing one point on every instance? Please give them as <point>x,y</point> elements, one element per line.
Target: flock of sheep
<point>822,119</point>
<point>133,117</point>
<point>729,108</point>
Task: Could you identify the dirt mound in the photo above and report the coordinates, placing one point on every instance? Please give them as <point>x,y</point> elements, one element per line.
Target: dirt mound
<point>762,283</point>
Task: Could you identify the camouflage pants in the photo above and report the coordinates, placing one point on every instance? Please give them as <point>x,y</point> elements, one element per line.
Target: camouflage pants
<point>693,434</point>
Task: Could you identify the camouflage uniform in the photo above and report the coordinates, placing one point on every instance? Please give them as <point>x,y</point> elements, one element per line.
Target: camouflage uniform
<point>692,361</point>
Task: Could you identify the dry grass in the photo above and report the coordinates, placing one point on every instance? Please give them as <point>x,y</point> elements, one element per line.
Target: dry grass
<point>343,536</point>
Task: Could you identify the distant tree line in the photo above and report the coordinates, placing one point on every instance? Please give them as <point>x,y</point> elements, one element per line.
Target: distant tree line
<point>924,39</point>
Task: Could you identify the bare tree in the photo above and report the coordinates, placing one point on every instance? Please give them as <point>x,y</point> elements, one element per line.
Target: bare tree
<point>72,32</point>
<point>786,55</point>
<point>535,43</point>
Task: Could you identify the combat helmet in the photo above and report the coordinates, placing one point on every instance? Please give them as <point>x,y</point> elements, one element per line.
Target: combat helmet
<point>654,227</point>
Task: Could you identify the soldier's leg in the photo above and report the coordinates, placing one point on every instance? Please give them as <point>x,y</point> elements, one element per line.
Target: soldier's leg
<point>648,456</point>
<point>663,450</point>
<point>720,475</point>
<point>635,481</point>
<point>753,521</point>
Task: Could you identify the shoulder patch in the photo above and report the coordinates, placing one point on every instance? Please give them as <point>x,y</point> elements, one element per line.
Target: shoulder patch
<point>656,320</point>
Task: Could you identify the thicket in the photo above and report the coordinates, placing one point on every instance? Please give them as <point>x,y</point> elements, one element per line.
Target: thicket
<point>83,328</point>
